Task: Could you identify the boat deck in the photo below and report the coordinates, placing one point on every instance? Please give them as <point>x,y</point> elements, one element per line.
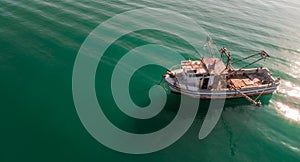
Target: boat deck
<point>250,79</point>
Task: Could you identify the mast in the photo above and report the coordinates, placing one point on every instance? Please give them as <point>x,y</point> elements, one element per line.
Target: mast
<point>209,43</point>
<point>223,51</point>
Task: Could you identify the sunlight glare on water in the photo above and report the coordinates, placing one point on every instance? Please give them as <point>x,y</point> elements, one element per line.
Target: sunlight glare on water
<point>289,89</point>
<point>288,112</point>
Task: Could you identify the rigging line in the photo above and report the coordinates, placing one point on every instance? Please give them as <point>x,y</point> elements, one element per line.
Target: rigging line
<point>262,92</point>
<point>166,88</point>
<point>258,104</point>
<point>197,53</point>
<point>228,130</point>
<point>259,95</point>
<point>246,58</point>
<point>251,64</point>
<point>174,67</point>
<point>160,81</point>
<point>243,131</point>
<point>239,51</point>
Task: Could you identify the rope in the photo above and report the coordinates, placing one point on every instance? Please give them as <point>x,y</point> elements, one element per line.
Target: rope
<point>160,81</point>
<point>174,66</point>
<point>261,93</point>
<point>165,88</point>
<point>246,96</point>
<point>245,58</point>
<point>250,64</point>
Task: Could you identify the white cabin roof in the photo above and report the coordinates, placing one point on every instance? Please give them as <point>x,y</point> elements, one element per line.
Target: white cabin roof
<point>212,66</point>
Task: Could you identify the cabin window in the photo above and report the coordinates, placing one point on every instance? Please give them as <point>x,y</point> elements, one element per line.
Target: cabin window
<point>191,75</point>
<point>191,71</point>
<point>205,83</point>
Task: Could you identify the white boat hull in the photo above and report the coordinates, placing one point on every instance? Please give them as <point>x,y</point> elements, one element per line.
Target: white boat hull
<point>222,94</point>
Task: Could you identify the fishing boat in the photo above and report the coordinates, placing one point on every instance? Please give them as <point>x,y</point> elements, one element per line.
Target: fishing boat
<point>211,78</point>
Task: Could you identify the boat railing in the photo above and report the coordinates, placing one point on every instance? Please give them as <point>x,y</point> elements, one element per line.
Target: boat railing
<point>175,67</point>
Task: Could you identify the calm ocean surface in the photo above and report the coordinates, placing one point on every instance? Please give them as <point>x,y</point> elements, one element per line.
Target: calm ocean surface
<point>39,42</point>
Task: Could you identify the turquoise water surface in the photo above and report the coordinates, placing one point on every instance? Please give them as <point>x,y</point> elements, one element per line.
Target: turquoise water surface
<point>39,42</point>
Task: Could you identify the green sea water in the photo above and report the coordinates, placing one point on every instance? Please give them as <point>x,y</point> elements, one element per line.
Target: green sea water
<point>39,42</point>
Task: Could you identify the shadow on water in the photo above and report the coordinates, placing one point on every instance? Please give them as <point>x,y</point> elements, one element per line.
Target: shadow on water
<point>204,104</point>
<point>226,121</point>
<point>139,89</point>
